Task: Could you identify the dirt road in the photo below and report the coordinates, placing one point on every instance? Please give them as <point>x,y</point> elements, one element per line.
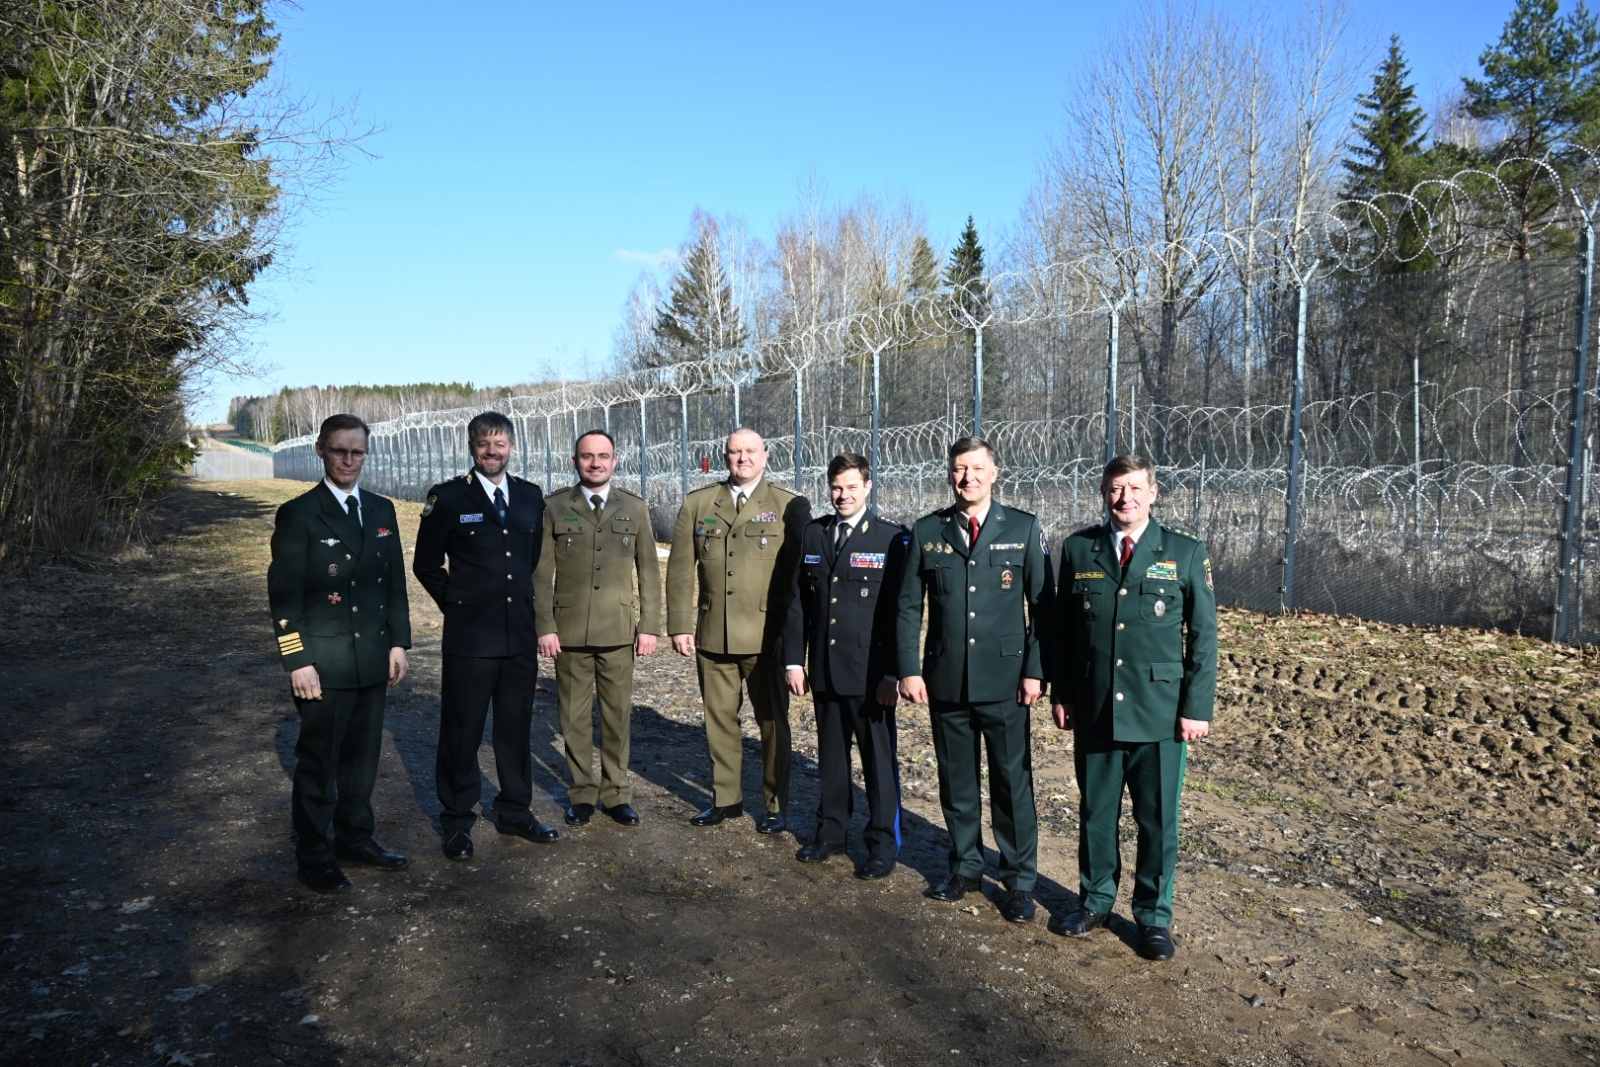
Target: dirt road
<point>1389,857</point>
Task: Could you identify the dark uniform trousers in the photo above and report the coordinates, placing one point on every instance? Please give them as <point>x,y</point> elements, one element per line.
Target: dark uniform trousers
<point>336,768</point>
<point>581,675</point>
<point>871,726</point>
<point>489,652</point>
<point>1002,727</point>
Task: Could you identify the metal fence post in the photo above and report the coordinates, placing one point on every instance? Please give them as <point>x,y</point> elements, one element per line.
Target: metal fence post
<point>1111,383</point>
<point>644,454</point>
<point>977,380</point>
<point>877,383</point>
<point>1296,405</point>
<point>1416,443</point>
<point>799,429</point>
<point>683,441</point>
<point>549,450</point>
<point>1573,506</point>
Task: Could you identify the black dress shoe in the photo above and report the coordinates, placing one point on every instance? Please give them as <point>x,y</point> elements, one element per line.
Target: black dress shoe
<point>817,852</point>
<point>372,856</point>
<point>713,815</point>
<point>324,878</point>
<point>578,814</point>
<point>1155,943</point>
<point>623,813</point>
<point>1082,922</point>
<point>458,846</point>
<point>771,823</point>
<point>1019,906</point>
<point>875,868</point>
<point>954,888</point>
<point>533,830</point>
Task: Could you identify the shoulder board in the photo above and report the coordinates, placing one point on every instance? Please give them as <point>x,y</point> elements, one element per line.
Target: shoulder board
<point>1018,511</point>
<point>623,492</point>
<point>1089,531</point>
<point>1180,532</point>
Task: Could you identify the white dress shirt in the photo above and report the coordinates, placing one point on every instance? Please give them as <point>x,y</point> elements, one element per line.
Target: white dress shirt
<point>604,493</point>
<point>1119,536</point>
<point>341,496</point>
<point>489,487</point>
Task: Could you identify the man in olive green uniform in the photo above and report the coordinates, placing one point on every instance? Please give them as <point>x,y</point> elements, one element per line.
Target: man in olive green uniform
<point>985,573</point>
<point>596,540</point>
<point>337,587</point>
<point>1135,679</point>
<point>739,541</point>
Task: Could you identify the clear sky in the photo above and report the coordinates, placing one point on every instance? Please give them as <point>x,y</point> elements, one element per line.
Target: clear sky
<point>532,153</point>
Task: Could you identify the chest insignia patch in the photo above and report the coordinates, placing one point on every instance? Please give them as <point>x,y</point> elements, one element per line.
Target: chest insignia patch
<point>870,560</point>
<point>570,518</point>
<point>1160,609</point>
<point>384,531</point>
<point>334,598</point>
<point>1005,579</point>
<point>475,517</point>
<point>949,549</point>
<point>1080,576</point>
<point>333,570</point>
<point>866,590</point>
<point>813,559</point>
<point>1166,570</point>
<point>330,541</point>
<point>927,546</point>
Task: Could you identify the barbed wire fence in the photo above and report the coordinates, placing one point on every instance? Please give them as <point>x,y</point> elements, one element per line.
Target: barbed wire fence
<point>1451,498</point>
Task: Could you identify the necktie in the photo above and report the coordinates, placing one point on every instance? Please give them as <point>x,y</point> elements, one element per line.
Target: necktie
<point>972,532</point>
<point>1127,552</point>
<point>596,504</point>
<point>353,507</point>
<point>739,504</point>
<point>842,537</point>
<point>500,504</point>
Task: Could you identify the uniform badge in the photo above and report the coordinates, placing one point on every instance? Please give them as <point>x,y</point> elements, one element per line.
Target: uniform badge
<point>624,542</point>
<point>1207,566</point>
<point>1086,605</point>
<point>475,517</point>
<point>334,598</point>
<point>1005,579</point>
<point>813,559</point>
<point>927,546</point>
<point>872,561</point>
<point>384,531</point>
<point>949,549</point>
<point>763,542</point>
<point>330,541</point>
<point>427,509</point>
<point>333,570</point>
<point>1160,608</point>
<point>1079,576</point>
<point>1166,570</point>
<point>866,591</point>
<point>283,624</point>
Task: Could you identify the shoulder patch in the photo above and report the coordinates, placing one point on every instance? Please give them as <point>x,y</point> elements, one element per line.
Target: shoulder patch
<point>427,509</point>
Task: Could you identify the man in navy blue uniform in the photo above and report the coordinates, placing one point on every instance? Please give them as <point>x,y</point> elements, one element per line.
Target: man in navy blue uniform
<point>842,613</point>
<point>488,524</point>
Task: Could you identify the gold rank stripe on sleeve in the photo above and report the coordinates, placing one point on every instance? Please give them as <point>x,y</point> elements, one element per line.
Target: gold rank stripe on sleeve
<point>289,644</point>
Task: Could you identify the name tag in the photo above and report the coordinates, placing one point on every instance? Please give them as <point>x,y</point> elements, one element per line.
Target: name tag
<point>473,518</point>
<point>1080,576</point>
<point>813,559</point>
<point>1018,547</point>
<point>869,560</point>
<point>1166,570</point>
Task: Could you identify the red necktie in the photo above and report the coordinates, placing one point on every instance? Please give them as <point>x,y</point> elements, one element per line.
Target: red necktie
<point>1127,552</point>
<point>972,531</point>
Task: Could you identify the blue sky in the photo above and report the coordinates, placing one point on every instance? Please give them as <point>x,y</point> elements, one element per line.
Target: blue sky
<point>529,148</point>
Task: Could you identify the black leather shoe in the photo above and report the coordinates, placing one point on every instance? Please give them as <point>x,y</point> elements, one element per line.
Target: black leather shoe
<point>875,868</point>
<point>458,846</point>
<point>771,823</point>
<point>1019,906</point>
<point>533,830</point>
<point>372,856</point>
<point>578,814</point>
<point>953,888</point>
<point>817,852</point>
<point>1155,943</point>
<point>324,878</point>
<point>623,813</point>
<point>1082,922</point>
<point>713,815</point>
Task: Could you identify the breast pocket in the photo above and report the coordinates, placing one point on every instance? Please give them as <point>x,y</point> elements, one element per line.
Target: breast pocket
<point>1087,599</point>
<point>763,538</point>
<point>937,578</point>
<point>1160,600</point>
<point>1005,571</point>
<point>627,528</point>
<point>571,538</point>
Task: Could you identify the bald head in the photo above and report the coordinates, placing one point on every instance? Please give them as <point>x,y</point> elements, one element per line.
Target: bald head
<point>746,455</point>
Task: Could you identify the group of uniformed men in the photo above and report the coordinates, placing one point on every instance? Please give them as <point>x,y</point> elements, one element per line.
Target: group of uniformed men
<point>769,602</point>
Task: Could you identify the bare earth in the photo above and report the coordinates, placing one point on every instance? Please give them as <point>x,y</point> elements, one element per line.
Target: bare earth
<point>1390,857</point>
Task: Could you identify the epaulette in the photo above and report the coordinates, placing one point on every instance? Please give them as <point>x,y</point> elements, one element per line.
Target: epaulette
<point>1019,511</point>
<point>1180,532</point>
<point>624,492</point>
<point>1089,531</point>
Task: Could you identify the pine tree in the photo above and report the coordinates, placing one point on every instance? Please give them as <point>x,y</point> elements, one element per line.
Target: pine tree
<point>924,270</point>
<point>1387,155</point>
<point>964,272</point>
<point>700,317</point>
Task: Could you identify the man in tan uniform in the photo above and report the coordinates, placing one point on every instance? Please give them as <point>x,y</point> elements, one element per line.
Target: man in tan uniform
<point>740,539</point>
<point>596,539</point>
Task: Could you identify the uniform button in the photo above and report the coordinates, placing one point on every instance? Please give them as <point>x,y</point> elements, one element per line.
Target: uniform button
<point>833,600</point>
<point>832,621</point>
<point>830,640</point>
<point>508,555</point>
<point>730,592</point>
<point>597,588</point>
<point>508,600</point>
<point>505,531</point>
<point>972,563</point>
<point>596,567</point>
<point>1122,592</point>
<point>358,633</point>
<point>508,577</point>
<point>972,614</point>
<point>352,585</point>
<point>1119,696</point>
<point>347,555</point>
<point>1119,663</point>
<point>730,573</point>
<point>354,607</point>
<point>972,640</point>
<point>972,589</point>
<point>1120,626</point>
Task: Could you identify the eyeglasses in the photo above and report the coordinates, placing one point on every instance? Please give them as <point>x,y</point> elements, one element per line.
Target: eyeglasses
<point>346,454</point>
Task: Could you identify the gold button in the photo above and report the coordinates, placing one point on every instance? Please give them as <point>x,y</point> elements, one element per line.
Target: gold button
<point>836,578</point>
<point>347,555</point>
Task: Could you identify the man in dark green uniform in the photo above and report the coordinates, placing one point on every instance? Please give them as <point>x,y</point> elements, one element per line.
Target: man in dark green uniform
<point>337,586</point>
<point>985,573</point>
<point>596,540</point>
<point>1135,679</point>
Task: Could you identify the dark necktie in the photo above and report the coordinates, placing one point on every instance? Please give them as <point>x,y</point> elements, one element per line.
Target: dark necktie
<point>1127,553</point>
<point>597,504</point>
<point>972,533</point>
<point>353,507</point>
<point>500,504</point>
<point>843,535</point>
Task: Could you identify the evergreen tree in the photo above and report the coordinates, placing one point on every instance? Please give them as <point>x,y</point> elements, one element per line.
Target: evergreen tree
<point>964,272</point>
<point>700,317</point>
<point>1387,154</point>
<point>924,269</point>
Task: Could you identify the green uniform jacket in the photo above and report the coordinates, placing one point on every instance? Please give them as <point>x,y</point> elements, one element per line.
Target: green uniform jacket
<point>583,586</point>
<point>986,614</point>
<point>338,592</point>
<point>745,567</point>
<point>1148,641</point>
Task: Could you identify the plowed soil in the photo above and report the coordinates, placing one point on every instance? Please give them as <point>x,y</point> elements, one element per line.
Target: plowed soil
<point>1390,857</point>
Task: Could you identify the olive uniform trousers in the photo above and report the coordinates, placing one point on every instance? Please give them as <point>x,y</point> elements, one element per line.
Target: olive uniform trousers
<point>581,673</point>
<point>721,677</point>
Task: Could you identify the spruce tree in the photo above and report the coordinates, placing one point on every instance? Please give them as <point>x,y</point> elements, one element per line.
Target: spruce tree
<point>700,317</point>
<point>1387,153</point>
<point>964,272</point>
<point>924,270</point>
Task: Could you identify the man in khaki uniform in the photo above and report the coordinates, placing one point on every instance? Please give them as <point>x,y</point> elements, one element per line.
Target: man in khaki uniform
<point>740,539</point>
<point>596,539</point>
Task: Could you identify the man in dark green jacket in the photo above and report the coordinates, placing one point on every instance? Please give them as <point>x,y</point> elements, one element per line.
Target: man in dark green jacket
<point>337,586</point>
<point>985,574</point>
<point>1136,679</point>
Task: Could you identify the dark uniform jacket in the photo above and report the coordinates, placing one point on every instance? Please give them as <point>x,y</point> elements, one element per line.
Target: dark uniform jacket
<point>1147,639</point>
<point>487,592</point>
<point>742,563</point>
<point>585,578</point>
<point>842,608</point>
<point>987,609</point>
<point>338,590</point>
